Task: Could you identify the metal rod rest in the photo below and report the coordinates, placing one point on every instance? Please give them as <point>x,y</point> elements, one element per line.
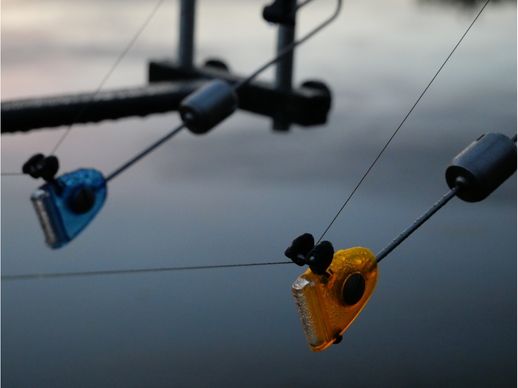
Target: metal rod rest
<point>284,68</point>
<point>44,112</point>
<point>186,33</point>
<point>417,223</point>
<point>170,84</point>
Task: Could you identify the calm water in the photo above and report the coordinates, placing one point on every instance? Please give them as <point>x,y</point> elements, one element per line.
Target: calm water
<point>444,312</point>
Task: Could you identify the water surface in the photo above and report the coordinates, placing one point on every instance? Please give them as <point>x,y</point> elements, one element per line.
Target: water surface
<point>444,312</point>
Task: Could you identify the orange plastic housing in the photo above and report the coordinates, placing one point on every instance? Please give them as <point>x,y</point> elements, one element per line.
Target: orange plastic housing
<point>322,299</point>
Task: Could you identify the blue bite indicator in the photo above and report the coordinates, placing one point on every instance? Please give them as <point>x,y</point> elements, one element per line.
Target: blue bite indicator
<point>67,204</point>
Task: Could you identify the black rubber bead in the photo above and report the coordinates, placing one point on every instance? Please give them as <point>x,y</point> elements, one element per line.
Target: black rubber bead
<point>50,168</point>
<point>39,166</point>
<point>30,167</point>
<point>279,12</point>
<point>353,289</point>
<point>321,257</point>
<point>300,248</point>
<point>318,85</point>
<point>215,63</point>
<point>82,200</point>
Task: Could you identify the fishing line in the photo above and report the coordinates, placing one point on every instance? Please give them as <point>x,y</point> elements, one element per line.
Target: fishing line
<point>417,223</point>
<point>236,87</point>
<point>145,152</point>
<point>137,270</point>
<point>302,4</point>
<point>462,182</point>
<point>380,256</point>
<point>286,50</point>
<point>401,123</point>
<point>176,130</point>
<point>67,204</point>
<point>115,64</point>
<point>466,186</point>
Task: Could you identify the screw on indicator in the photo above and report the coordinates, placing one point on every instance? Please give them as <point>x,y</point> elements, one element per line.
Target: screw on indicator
<point>82,200</point>
<point>353,289</point>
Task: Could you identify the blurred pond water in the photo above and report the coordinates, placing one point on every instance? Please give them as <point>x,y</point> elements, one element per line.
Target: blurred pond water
<point>444,312</point>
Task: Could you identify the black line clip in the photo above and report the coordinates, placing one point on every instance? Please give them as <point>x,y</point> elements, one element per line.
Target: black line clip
<point>303,251</point>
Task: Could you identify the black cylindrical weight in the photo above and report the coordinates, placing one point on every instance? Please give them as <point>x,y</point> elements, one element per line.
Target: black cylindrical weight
<point>483,166</point>
<point>208,106</point>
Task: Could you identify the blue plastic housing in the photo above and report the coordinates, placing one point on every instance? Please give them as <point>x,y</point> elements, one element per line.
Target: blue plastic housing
<point>51,201</point>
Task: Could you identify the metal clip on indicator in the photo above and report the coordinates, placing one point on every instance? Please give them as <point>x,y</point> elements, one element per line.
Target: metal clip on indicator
<point>208,106</point>
<point>67,204</point>
<point>333,291</point>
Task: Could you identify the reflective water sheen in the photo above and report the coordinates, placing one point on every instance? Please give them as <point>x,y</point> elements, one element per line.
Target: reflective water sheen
<point>444,311</point>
